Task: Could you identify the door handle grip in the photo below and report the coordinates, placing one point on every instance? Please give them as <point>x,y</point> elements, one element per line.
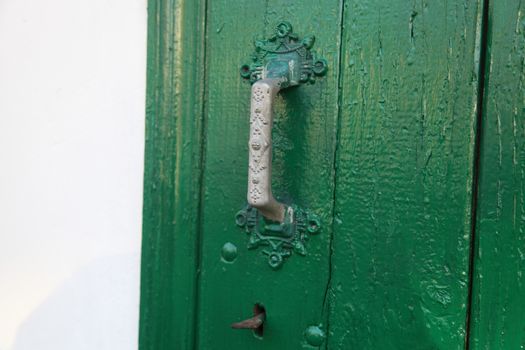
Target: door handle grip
<point>260,193</point>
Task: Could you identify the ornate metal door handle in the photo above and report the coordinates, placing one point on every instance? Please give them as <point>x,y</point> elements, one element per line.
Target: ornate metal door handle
<point>278,63</point>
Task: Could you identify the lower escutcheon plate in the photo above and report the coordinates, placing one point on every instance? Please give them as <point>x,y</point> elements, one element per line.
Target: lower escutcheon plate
<point>278,239</point>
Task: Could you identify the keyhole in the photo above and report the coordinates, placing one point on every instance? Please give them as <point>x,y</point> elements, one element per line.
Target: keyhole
<point>255,323</point>
<point>258,309</point>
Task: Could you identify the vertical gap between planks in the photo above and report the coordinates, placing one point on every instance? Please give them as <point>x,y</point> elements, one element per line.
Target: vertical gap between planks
<point>339,76</point>
<point>202,166</point>
<point>483,48</point>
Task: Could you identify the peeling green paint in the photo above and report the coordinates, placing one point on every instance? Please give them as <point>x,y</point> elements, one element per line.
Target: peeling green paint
<point>382,149</point>
<point>404,175</point>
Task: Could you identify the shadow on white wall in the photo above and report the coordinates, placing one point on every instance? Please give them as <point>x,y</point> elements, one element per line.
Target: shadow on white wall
<point>77,315</point>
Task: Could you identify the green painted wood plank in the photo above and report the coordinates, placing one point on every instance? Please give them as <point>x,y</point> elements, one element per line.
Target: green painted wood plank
<point>498,309</point>
<point>303,170</point>
<point>172,168</point>
<point>404,174</point>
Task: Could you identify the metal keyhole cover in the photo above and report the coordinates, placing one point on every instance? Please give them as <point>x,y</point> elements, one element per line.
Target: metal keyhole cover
<point>277,63</point>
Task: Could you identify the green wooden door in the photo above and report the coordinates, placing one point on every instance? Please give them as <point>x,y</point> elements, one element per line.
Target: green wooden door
<point>304,131</point>
<point>409,150</point>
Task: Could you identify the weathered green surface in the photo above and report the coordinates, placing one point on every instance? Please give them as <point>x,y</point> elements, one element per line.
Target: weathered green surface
<point>498,310</point>
<point>304,137</point>
<point>404,175</point>
<point>390,267</point>
<point>172,183</point>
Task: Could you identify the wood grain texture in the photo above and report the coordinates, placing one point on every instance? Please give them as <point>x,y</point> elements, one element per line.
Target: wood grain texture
<point>172,168</point>
<point>404,175</point>
<point>304,138</point>
<point>498,310</point>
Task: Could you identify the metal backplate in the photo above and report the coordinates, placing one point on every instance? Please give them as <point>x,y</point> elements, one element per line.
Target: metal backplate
<point>278,239</point>
<point>285,54</point>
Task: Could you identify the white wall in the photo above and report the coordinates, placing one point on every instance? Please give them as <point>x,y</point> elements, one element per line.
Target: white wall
<point>72,84</point>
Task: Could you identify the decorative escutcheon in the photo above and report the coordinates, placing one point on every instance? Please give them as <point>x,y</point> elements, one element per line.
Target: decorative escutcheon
<point>278,238</point>
<point>280,62</point>
<point>285,55</point>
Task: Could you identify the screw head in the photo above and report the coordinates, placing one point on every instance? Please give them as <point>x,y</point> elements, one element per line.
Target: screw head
<point>314,335</point>
<point>240,218</point>
<point>275,260</point>
<point>320,67</point>
<point>283,29</point>
<point>245,71</point>
<point>229,252</point>
<point>314,224</point>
